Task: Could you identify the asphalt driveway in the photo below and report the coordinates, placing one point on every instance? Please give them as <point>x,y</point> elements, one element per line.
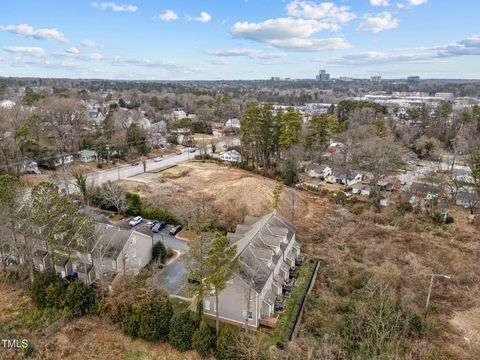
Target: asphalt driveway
<point>172,278</point>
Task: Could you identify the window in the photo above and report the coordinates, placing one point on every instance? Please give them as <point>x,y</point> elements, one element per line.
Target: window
<point>207,305</point>
<point>250,315</point>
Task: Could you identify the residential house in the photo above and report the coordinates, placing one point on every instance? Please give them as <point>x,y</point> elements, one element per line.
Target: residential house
<point>468,199</point>
<point>124,251</point>
<point>342,178</point>
<point>41,260</point>
<point>425,190</point>
<point>233,123</point>
<point>463,175</point>
<point>29,166</point>
<point>231,156</point>
<point>56,161</point>
<point>88,155</point>
<point>313,183</point>
<point>389,184</point>
<point>266,251</point>
<point>86,273</point>
<point>63,265</point>
<point>319,171</point>
<point>361,189</point>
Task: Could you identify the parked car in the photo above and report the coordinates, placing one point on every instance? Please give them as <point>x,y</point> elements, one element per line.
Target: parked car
<point>135,221</point>
<point>152,223</point>
<point>135,163</point>
<point>159,225</point>
<point>179,153</point>
<point>175,230</point>
<point>158,159</point>
<point>192,150</point>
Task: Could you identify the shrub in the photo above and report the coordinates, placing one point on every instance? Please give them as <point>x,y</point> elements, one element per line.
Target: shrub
<point>160,214</point>
<point>129,322</point>
<point>38,290</point>
<point>438,218</point>
<point>449,220</point>
<point>55,295</point>
<point>159,253</point>
<point>134,204</point>
<point>181,329</point>
<point>79,297</point>
<point>417,326</point>
<point>203,339</point>
<point>226,344</point>
<point>404,207</point>
<point>340,198</point>
<point>154,316</point>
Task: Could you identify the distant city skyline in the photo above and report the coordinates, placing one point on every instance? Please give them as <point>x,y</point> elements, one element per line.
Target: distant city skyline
<point>240,39</point>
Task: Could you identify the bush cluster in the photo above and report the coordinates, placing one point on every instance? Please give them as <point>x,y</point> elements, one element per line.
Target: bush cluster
<point>50,291</point>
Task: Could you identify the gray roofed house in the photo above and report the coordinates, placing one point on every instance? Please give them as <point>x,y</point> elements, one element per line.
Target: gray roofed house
<point>124,251</point>
<point>468,199</point>
<point>427,190</point>
<point>266,250</point>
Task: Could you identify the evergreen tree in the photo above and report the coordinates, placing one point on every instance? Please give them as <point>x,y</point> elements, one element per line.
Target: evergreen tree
<point>182,327</point>
<point>203,339</point>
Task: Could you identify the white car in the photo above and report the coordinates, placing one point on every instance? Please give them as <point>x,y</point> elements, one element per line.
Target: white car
<point>158,159</point>
<point>135,221</point>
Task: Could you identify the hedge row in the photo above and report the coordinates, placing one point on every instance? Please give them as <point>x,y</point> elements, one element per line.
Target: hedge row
<point>298,305</point>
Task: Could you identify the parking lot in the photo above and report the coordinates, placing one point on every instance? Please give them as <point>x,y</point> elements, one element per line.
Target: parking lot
<point>173,277</point>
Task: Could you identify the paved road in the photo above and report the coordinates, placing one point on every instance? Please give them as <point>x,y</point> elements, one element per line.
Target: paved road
<point>124,171</point>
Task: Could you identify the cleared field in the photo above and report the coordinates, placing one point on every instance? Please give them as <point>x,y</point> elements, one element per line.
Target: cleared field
<point>233,193</point>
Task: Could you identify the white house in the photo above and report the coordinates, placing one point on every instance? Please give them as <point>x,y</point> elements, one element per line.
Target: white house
<point>361,189</point>
<point>319,171</point>
<point>231,156</point>
<point>88,155</point>
<point>352,178</point>
<point>233,123</point>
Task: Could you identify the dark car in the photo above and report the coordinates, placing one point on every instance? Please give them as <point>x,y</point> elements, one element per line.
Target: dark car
<point>175,230</point>
<point>159,225</point>
<point>135,163</point>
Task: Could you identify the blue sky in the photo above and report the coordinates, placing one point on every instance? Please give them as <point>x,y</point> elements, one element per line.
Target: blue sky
<point>239,39</point>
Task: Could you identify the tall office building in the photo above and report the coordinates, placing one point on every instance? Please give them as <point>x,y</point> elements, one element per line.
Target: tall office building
<point>323,76</point>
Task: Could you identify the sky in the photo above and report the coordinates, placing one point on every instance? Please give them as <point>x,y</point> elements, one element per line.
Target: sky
<point>239,39</point>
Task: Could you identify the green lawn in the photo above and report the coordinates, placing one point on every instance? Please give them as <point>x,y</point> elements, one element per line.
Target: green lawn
<point>202,136</point>
<point>179,305</point>
<point>286,318</point>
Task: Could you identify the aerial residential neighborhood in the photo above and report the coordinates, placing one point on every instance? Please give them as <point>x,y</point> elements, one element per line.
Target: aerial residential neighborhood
<point>240,180</point>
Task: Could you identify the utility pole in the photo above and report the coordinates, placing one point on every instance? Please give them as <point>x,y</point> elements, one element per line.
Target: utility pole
<point>431,286</point>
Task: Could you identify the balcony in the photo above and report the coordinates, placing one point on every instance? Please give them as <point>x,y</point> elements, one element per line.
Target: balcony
<point>269,322</point>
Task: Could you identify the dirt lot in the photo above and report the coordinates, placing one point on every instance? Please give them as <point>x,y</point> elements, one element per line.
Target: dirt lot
<point>233,193</point>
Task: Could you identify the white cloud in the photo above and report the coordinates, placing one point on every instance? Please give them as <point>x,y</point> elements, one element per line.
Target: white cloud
<point>25,50</point>
<point>325,10</point>
<point>251,53</point>
<point>73,51</point>
<point>219,62</point>
<point>300,44</point>
<point>204,17</point>
<point>466,47</point>
<point>168,15</point>
<point>88,43</point>
<point>41,34</point>
<point>380,2</point>
<point>115,7</point>
<point>417,2</point>
<point>291,34</point>
<point>377,23</point>
<point>281,28</point>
